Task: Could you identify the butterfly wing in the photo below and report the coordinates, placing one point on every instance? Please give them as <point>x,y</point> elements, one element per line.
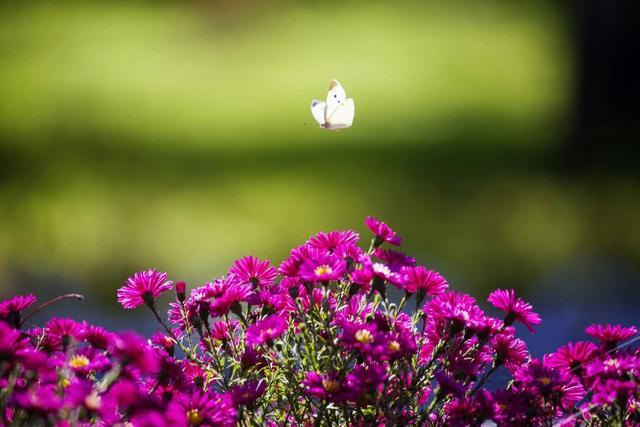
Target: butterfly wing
<point>317,109</point>
<point>335,98</point>
<point>342,117</point>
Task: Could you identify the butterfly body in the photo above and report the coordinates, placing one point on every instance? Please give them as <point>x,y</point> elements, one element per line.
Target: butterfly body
<point>337,111</point>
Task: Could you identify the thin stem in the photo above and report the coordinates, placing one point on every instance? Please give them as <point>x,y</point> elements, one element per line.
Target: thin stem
<point>44,305</point>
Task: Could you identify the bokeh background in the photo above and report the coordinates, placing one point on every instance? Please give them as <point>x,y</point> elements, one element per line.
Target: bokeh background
<point>500,138</point>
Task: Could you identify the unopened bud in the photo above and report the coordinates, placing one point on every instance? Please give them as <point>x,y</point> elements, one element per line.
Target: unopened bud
<point>181,291</point>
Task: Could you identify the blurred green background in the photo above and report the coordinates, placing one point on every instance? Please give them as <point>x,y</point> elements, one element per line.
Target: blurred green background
<point>178,135</point>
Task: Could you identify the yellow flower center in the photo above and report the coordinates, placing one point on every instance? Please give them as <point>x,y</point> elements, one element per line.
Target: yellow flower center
<point>330,385</point>
<point>545,380</point>
<point>322,270</point>
<point>64,382</point>
<point>364,336</point>
<point>78,361</point>
<point>193,417</point>
<point>394,346</point>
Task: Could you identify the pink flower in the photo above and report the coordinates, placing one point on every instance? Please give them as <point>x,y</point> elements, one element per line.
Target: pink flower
<point>510,351</point>
<point>334,240</point>
<point>382,231</point>
<point>60,333</point>
<point>420,279</point>
<point>515,308</point>
<point>250,270</point>
<point>143,288</point>
<point>610,335</point>
<point>322,269</point>
<point>573,357</point>
<point>266,330</point>
<point>11,309</point>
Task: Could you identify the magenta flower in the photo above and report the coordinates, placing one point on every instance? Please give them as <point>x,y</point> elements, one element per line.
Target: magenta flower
<point>395,260</point>
<point>250,270</point>
<point>143,288</point>
<point>334,240</point>
<point>322,269</point>
<point>15,348</point>
<point>420,279</point>
<point>549,383</point>
<point>96,336</point>
<point>382,231</point>
<point>266,330</point>
<point>515,308</point>
<point>510,351</point>
<point>299,255</point>
<point>573,357</point>
<point>234,291</point>
<point>60,333</point>
<point>133,351</point>
<point>87,360</point>
<point>328,386</point>
<point>207,409</point>
<point>10,310</point>
<point>610,335</point>
<point>247,393</point>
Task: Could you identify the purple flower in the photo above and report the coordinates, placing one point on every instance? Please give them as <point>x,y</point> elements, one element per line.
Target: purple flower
<point>299,255</point>
<point>448,385</point>
<point>266,330</point>
<point>247,393</point>
<point>573,357</point>
<point>133,351</point>
<point>510,351</point>
<point>328,386</point>
<point>250,270</point>
<point>60,333</point>
<point>143,288</point>
<point>382,231</point>
<point>368,378</point>
<point>88,359</point>
<point>610,335</point>
<point>14,347</point>
<point>233,293</point>
<point>551,384</point>
<point>452,310</point>
<point>207,409</point>
<point>334,240</point>
<point>11,309</point>
<point>515,308</point>
<point>96,336</point>
<point>395,260</point>
<point>420,279</point>
<point>322,269</point>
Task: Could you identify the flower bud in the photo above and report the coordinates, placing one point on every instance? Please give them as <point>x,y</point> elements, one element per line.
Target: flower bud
<point>181,291</point>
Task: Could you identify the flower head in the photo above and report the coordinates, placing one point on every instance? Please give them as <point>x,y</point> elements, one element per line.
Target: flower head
<point>250,270</point>
<point>420,279</point>
<point>515,308</point>
<point>132,350</point>
<point>11,309</point>
<point>266,330</point>
<point>334,240</point>
<point>573,357</point>
<point>248,392</point>
<point>60,333</point>
<point>610,335</point>
<point>382,231</point>
<point>143,288</point>
<point>322,269</point>
<point>206,409</point>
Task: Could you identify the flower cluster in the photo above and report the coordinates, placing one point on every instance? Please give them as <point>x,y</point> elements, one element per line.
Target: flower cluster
<point>313,341</point>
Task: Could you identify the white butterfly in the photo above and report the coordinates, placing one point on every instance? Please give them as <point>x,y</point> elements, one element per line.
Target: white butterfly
<point>337,112</point>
